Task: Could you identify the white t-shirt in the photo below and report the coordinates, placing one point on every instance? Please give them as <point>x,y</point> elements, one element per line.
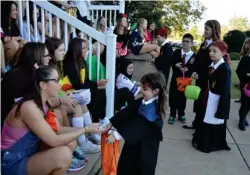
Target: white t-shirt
<point>124,82</point>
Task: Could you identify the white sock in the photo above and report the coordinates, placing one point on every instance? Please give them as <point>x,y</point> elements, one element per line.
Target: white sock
<point>78,122</point>
<point>86,119</point>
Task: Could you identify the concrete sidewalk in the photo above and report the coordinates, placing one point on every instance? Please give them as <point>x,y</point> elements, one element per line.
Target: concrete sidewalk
<point>178,157</point>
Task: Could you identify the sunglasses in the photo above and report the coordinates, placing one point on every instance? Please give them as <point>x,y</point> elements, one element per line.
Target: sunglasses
<point>47,55</point>
<point>56,80</point>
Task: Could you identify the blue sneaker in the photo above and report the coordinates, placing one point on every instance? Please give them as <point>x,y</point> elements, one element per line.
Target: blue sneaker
<point>79,154</point>
<point>76,165</point>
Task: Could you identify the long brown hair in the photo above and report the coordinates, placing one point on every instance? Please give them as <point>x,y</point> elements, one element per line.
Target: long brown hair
<point>139,27</point>
<point>157,81</point>
<point>215,26</point>
<point>245,48</point>
<point>117,28</point>
<point>74,54</point>
<point>52,44</point>
<point>98,28</point>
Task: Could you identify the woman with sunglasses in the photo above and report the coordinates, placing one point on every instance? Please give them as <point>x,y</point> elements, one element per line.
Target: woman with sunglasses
<point>27,124</point>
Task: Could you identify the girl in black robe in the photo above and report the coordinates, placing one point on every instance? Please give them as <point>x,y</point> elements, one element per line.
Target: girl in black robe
<point>202,62</point>
<point>243,72</point>
<point>140,124</point>
<point>211,135</point>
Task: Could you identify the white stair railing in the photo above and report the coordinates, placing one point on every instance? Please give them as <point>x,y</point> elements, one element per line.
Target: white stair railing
<point>61,18</point>
<point>108,11</point>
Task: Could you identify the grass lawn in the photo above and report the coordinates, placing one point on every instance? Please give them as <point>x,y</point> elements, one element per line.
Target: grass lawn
<point>235,93</point>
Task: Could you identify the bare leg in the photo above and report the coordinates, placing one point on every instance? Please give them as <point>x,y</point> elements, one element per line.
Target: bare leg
<point>2,57</point>
<point>154,54</point>
<point>148,48</point>
<point>54,161</point>
<point>10,49</point>
<point>61,116</point>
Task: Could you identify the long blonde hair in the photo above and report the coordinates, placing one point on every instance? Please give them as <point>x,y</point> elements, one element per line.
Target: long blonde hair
<point>139,27</point>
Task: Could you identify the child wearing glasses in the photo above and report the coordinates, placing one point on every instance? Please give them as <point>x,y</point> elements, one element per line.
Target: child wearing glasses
<point>182,66</point>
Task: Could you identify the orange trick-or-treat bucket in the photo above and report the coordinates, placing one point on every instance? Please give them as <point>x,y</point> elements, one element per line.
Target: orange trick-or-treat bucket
<point>183,82</point>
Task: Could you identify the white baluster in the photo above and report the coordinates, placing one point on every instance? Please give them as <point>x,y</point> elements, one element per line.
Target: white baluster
<point>73,30</point>
<point>43,25</point>
<point>110,17</point>
<point>35,22</point>
<point>66,36</point>
<point>20,16</point>
<point>98,60</point>
<point>122,6</point>
<point>90,58</point>
<point>110,73</point>
<point>28,19</point>
<point>92,15</point>
<point>50,25</point>
<point>106,17</point>
<point>115,18</point>
<point>101,13</point>
<point>58,27</point>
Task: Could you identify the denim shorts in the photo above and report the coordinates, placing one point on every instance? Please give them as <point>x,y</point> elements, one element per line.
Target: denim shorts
<point>13,163</point>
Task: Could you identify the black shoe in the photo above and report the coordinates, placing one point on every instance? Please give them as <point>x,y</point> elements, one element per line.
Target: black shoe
<point>242,126</point>
<point>188,127</point>
<point>195,143</point>
<point>246,122</point>
<point>237,101</point>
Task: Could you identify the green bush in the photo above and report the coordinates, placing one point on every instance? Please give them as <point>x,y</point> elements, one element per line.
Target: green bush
<point>234,56</point>
<point>235,40</point>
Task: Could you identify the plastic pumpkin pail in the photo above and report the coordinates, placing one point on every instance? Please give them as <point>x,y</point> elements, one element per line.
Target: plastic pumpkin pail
<point>183,82</point>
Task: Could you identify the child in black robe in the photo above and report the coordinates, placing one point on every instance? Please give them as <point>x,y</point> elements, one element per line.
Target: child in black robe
<point>211,136</point>
<point>163,61</point>
<point>140,124</point>
<point>243,72</point>
<point>182,65</point>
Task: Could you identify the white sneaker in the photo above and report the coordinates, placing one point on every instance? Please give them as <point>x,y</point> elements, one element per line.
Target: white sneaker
<point>89,147</point>
<point>95,138</point>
